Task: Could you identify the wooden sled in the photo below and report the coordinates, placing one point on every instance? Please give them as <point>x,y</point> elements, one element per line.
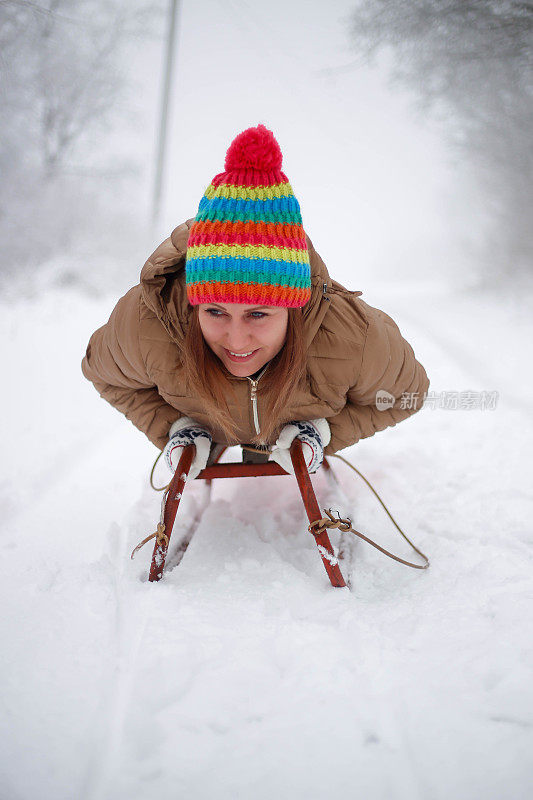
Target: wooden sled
<point>253,465</point>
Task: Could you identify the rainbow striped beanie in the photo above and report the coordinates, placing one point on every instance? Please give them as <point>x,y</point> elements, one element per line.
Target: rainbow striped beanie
<point>247,243</point>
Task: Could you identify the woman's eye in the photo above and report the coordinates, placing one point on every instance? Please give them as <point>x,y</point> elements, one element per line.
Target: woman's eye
<point>216,312</point>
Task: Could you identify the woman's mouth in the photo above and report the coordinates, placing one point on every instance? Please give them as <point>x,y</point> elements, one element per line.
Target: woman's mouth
<point>240,357</point>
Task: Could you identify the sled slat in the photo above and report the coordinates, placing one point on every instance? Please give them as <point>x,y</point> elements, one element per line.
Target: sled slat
<point>239,470</point>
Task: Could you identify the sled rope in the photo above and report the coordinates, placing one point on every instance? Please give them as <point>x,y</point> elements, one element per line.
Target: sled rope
<point>316,528</point>
<point>345,525</point>
<point>336,455</point>
<point>159,534</point>
<point>157,488</point>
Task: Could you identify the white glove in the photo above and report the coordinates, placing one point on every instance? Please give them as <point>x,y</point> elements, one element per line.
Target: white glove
<point>314,434</point>
<point>183,432</point>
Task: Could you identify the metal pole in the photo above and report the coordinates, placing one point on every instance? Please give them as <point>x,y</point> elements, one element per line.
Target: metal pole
<point>173,17</point>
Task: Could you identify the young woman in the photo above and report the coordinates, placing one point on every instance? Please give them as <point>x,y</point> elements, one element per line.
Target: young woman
<point>236,333</point>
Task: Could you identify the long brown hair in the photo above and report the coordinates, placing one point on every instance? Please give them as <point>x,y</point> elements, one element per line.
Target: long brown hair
<point>207,380</point>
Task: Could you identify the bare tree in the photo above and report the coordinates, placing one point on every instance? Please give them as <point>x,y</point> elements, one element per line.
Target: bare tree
<point>62,87</point>
<point>470,63</point>
<point>61,59</point>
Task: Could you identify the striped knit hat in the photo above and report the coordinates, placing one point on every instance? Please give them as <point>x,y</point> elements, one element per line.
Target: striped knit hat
<point>247,243</point>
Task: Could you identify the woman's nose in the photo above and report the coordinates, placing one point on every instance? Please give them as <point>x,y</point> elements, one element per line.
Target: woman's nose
<point>237,336</point>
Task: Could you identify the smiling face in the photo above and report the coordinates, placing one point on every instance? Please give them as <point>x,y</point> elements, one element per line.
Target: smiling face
<point>243,337</point>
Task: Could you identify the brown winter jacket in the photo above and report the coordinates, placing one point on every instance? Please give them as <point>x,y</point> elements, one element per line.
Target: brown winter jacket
<point>353,352</point>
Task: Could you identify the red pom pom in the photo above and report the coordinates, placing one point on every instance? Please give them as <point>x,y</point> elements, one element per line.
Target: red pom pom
<point>254,148</point>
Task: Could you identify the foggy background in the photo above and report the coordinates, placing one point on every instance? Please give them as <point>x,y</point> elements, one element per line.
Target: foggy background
<point>405,129</point>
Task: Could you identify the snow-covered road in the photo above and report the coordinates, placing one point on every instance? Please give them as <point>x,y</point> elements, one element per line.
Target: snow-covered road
<point>243,674</point>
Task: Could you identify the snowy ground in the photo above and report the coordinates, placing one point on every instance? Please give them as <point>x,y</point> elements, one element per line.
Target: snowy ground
<point>243,674</point>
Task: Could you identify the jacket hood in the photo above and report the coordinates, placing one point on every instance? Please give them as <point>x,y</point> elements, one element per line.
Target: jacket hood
<point>164,288</point>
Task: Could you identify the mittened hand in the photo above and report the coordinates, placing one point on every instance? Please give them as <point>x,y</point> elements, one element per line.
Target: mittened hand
<point>314,435</point>
<point>183,432</point>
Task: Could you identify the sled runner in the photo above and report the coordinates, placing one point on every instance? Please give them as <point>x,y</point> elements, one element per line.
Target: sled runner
<point>254,464</point>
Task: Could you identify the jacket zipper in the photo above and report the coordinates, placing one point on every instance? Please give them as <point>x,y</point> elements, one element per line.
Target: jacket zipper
<point>253,398</point>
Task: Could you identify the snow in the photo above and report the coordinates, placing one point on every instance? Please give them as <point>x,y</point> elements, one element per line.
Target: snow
<point>243,673</point>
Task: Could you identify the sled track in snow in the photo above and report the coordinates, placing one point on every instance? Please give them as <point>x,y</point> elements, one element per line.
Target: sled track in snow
<point>132,612</point>
<point>348,542</point>
<point>127,631</point>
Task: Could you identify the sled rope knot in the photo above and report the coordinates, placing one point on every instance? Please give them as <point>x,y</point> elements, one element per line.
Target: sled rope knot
<point>159,535</point>
<point>345,525</point>
<point>319,525</point>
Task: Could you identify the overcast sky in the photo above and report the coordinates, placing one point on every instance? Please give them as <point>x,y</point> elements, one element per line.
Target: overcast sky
<point>379,195</point>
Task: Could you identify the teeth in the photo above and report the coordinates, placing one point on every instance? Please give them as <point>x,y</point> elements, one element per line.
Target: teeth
<point>240,355</point>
